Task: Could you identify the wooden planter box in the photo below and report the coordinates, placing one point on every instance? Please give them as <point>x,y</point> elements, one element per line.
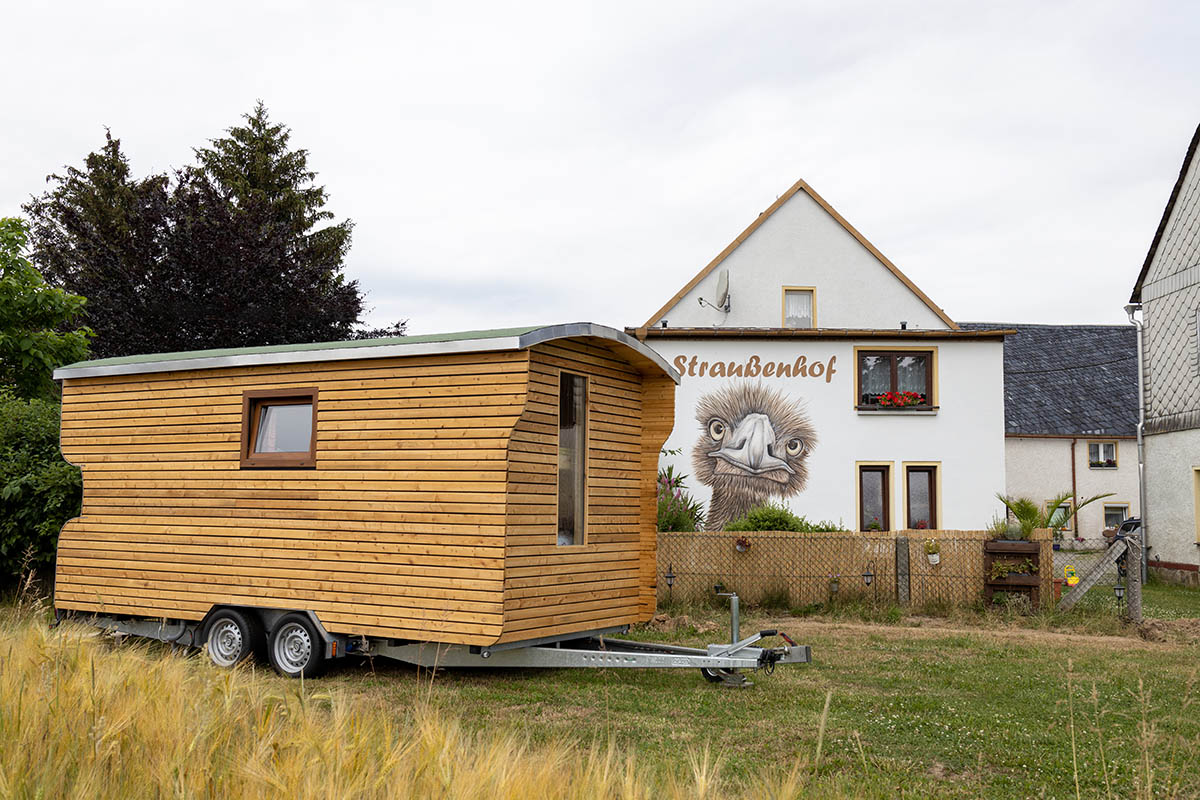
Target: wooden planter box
<point>1002,550</point>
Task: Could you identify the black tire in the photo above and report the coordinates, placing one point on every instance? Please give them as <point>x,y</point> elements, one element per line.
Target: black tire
<point>232,636</point>
<point>295,648</point>
<point>715,675</point>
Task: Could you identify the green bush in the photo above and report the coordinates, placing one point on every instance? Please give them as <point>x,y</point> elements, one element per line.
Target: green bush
<point>779,518</point>
<point>677,511</point>
<point>39,491</point>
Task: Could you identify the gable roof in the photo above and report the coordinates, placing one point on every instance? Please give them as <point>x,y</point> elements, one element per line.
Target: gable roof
<point>1068,380</point>
<point>438,343</point>
<point>1136,295</point>
<point>799,186</point>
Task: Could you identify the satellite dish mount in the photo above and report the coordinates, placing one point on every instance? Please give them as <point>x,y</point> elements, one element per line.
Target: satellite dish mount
<point>722,299</point>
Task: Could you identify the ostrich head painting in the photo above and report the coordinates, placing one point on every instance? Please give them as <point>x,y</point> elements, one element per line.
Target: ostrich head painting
<point>753,445</point>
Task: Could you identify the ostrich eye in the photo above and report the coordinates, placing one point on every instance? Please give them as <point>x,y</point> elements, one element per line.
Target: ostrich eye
<point>716,429</point>
<point>795,447</point>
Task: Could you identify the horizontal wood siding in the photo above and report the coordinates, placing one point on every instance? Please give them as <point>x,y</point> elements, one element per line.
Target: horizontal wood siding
<point>399,531</point>
<point>550,589</point>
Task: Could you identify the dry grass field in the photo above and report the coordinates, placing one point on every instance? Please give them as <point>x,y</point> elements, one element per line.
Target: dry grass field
<point>968,706</point>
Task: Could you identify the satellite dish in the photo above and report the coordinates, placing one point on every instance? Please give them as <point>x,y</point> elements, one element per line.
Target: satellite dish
<point>722,303</point>
<point>723,288</point>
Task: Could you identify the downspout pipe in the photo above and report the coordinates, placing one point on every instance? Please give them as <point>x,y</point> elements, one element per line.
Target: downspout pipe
<point>1130,310</point>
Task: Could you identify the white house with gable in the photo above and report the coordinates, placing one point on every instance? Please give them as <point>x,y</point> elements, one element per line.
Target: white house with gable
<point>817,375</point>
<point>1168,291</point>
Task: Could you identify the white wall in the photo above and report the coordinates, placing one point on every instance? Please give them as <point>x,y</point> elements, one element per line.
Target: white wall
<point>1171,526</point>
<point>802,245</point>
<point>966,435</point>
<point>1040,468</point>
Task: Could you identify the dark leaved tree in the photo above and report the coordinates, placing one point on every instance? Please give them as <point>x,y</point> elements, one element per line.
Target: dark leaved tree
<point>231,252</point>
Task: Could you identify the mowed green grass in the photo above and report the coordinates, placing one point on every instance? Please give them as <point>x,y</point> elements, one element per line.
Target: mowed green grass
<point>922,708</point>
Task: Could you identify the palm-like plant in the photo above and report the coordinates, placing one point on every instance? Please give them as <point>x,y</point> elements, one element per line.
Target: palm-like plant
<point>1057,513</point>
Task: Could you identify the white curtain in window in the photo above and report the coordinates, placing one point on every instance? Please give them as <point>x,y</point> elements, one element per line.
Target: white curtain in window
<point>910,374</point>
<point>284,429</point>
<point>797,309</point>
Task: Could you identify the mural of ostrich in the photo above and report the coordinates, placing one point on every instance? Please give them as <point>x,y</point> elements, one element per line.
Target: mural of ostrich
<point>754,443</point>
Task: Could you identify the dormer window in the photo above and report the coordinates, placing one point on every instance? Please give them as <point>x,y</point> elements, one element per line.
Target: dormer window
<point>799,307</point>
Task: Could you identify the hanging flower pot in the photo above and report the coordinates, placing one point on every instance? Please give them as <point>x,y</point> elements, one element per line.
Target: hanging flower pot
<point>933,551</point>
<point>741,544</point>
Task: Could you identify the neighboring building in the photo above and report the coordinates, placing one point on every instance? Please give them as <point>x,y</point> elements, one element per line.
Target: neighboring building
<point>817,375</point>
<point>1070,418</point>
<point>1168,290</point>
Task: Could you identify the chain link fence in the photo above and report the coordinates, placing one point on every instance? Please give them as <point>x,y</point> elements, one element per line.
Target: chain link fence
<point>793,570</point>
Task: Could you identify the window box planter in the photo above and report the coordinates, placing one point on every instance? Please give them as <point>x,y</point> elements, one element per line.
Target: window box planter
<point>904,411</point>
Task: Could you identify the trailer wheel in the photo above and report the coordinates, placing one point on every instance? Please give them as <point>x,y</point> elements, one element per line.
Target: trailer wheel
<point>232,637</point>
<point>295,648</point>
<point>715,675</point>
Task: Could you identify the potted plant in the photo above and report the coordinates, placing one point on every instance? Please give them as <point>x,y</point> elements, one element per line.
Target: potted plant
<point>1056,514</point>
<point>833,583</point>
<point>933,551</point>
<point>874,525</point>
<point>742,543</point>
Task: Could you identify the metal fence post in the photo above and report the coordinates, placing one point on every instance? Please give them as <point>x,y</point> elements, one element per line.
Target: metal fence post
<point>902,571</point>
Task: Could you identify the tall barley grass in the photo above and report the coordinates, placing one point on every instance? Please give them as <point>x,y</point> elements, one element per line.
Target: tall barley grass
<point>82,719</point>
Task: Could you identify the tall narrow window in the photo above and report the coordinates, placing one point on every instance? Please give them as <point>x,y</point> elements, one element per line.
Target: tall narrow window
<point>279,428</point>
<point>798,309</point>
<point>873,482</point>
<point>572,457</point>
<point>921,483</point>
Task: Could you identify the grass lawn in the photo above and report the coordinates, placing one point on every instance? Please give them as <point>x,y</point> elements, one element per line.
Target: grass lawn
<point>971,706</point>
<point>966,704</point>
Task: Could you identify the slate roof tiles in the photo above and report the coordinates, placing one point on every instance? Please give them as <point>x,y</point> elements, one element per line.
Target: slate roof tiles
<point>1068,380</point>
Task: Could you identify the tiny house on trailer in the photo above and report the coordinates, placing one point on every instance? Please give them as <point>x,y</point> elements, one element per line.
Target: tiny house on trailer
<point>487,492</point>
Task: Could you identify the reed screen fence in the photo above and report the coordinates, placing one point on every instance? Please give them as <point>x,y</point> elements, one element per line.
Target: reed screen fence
<point>797,569</point>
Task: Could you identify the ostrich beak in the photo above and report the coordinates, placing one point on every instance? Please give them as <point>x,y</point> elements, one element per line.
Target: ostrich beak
<point>748,449</point>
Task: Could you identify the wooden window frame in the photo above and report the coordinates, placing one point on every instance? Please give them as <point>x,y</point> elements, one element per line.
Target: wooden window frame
<point>886,483</point>
<point>935,494</point>
<point>783,293</point>
<point>581,534</point>
<point>893,353</point>
<point>1101,442</point>
<point>252,404</point>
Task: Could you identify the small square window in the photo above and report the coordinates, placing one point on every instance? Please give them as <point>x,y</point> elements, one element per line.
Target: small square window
<point>798,308</point>
<point>1102,455</point>
<point>1063,513</point>
<point>279,428</point>
<point>1115,514</point>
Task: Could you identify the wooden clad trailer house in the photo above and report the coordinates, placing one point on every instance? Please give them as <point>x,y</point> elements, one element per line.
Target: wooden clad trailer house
<point>475,489</point>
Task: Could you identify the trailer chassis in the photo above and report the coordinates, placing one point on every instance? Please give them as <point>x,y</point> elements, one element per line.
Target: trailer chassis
<point>720,663</point>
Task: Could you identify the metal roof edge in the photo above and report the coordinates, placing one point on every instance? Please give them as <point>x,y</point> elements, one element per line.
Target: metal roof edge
<point>292,357</point>
<point>569,330</point>
<point>358,352</point>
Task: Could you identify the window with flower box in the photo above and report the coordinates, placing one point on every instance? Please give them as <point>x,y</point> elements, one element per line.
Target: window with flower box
<point>1102,455</point>
<point>895,379</point>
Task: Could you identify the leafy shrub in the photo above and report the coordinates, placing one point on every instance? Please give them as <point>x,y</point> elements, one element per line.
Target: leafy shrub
<point>677,511</point>
<point>39,491</point>
<point>779,518</point>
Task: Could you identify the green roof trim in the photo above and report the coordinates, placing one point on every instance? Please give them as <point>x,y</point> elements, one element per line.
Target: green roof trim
<point>150,358</point>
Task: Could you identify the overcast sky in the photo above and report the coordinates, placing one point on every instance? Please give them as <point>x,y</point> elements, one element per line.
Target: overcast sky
<point>520,163</point>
